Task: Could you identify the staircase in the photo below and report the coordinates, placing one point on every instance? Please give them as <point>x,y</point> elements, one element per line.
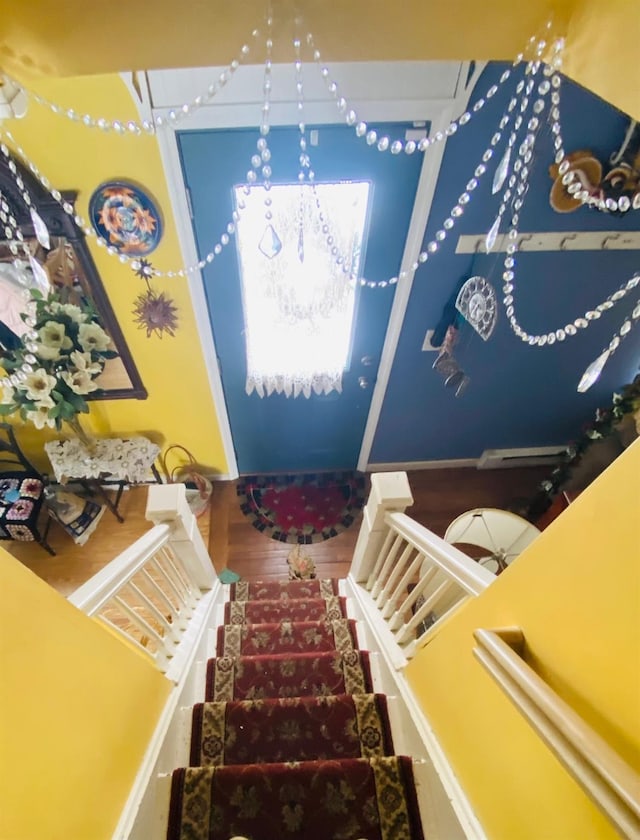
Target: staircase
<point>290,740</point>
<point>246,662</point>
<point>292,709</point>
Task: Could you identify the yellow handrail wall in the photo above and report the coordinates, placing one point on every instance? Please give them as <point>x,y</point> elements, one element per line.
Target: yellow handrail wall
<point>77,710</point>
<point>575,593</point>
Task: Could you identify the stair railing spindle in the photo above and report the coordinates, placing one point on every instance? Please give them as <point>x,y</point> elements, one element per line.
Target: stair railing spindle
<point>405,608</point>
<point>392,542</point>
<point>404,635</point>
<point>394,573</point>
<point>161,595</point>
<point>169,631</point>
<point>179,576</point>
<point>179,606</point>
<point>105,614</point>
<point>383,572</point>
<point>403,585</point>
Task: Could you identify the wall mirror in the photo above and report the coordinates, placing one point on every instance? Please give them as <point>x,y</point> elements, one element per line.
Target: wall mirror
<point>71,271</point>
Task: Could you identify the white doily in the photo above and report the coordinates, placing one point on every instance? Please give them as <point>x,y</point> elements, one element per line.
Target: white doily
<point>128,459</point>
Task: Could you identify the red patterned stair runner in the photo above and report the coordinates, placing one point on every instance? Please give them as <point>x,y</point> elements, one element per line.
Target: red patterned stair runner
<point>288,675</point>
<point>291,743</point>
<point>285,589</point>
<point>290,729</point>
<point>298,609</point>
<point>286,637</point>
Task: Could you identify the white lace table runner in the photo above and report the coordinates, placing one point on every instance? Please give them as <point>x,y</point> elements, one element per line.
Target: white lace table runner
<point>128,459</point>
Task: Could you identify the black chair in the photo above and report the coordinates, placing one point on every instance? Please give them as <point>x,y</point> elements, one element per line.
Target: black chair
<point>21,493</point>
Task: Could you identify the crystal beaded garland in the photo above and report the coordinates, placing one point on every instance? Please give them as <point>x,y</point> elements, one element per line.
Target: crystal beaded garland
<point>623,204</point>
<point>81,222</point>
<point>409,147</point>
<point>371,137</point>
<point>306,173</point>
<point>132,127</point>
<point>593,371</point>
<point>458,209</point>
<point>579,323</point>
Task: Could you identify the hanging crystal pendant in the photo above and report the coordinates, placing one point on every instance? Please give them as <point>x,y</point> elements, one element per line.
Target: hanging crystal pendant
<point>301,245</point>
<point>42,234</point>
<point>40,276</point>
<point>270,244</point>
<point>501,172</point>
<point>592,373</point>
<point>490,240</point>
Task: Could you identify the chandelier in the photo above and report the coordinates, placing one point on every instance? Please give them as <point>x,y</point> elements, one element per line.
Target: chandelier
<point>535,101</point>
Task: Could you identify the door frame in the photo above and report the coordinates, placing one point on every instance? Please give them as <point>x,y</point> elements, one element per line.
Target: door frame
<point>405,95</point>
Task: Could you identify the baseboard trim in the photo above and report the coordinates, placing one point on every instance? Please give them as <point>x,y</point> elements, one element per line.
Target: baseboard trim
<point>451,814</point>
<point>407,466</point>
<point>132,819</point>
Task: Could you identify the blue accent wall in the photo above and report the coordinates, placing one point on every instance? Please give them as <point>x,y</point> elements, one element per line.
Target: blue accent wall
<point>518,395</point>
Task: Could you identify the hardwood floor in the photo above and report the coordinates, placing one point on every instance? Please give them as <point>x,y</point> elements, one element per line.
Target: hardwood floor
<point>440,496</point>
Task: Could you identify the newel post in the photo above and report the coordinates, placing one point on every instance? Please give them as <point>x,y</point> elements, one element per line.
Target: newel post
<point>167,503</point>
<point>390,492</point>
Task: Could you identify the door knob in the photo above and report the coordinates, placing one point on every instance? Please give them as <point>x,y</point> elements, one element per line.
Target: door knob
<point>363,382</point>
<point>367,361</point>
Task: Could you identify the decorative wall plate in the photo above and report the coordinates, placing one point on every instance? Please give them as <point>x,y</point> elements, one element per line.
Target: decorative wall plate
<point>126,217</point>
<point>476,302</point>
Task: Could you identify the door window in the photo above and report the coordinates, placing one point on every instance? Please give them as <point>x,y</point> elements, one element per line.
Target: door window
<point>299,248</point>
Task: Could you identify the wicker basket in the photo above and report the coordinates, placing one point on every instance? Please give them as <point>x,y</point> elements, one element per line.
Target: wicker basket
<point>199,488</point>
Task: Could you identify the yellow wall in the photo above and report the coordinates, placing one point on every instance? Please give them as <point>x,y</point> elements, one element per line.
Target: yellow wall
<point>179,408</point>
<point>76,39</point>
<point>602,46</point>
<point>77,709</point>
<point>576,595</point>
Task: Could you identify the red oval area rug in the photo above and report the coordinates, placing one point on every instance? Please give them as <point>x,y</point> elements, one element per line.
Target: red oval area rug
<point>302,509</point>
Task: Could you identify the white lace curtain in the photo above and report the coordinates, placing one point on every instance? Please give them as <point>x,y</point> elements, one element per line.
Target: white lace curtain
<point>298,303</point>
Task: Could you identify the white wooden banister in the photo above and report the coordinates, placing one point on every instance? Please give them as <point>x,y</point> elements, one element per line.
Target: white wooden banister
<point>469,575</point>
<point>167,503</point>
<point>607,779</point>
<point>95,593</point>
<point>150,593</point>
<point>412,578</point>
<point>389,492</point>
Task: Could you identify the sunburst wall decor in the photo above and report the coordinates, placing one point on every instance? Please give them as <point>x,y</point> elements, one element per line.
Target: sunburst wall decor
<point>154,311</point>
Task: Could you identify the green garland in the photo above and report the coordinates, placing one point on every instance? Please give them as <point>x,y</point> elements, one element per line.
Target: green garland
<point>603,425</point>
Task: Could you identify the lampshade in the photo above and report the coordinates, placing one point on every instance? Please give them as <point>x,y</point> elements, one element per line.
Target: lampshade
<point>13,100</point>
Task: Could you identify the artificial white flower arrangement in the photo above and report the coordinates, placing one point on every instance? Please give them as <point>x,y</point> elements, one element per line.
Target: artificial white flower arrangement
<point>56,365</point>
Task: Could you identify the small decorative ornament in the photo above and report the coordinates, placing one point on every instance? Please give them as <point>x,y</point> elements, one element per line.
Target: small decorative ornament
<point>301,566</point>
<point>592,373</point>
<point>126,218</point>
<point>155,312</point>
<point>40,229</point>
<point>143,269</point>
<point>447,365</point>
<point>476,302</point>
<point>501,173</point>
<point>270,244</point>
<point>492,235</point>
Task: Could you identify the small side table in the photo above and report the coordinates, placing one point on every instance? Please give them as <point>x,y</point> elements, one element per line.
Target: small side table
<point>127,460</point>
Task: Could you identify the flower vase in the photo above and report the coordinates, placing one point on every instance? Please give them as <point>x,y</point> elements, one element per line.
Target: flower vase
<point>86,440</point>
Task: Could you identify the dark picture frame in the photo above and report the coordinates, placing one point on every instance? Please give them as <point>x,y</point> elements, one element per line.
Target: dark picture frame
<point>121,379</point>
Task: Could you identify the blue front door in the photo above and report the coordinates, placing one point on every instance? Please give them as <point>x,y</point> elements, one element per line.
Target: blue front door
<point>278,434</point>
